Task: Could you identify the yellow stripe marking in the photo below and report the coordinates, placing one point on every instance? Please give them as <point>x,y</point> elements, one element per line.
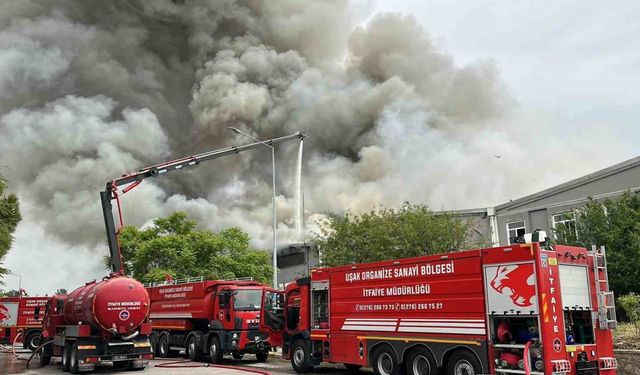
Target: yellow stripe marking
<point>407,339</point>
<point>171,327</point>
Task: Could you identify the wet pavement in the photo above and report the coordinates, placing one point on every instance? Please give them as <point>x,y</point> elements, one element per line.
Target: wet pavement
<point>9,364</point>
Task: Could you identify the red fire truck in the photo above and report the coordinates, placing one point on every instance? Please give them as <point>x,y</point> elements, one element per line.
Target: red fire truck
<point>527,308</point>
<point>102,321</point>
<point>208,318</point>
<point>17,315</point>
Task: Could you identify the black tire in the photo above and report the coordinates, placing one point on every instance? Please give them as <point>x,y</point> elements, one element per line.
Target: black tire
<point>420,362</point>
<point>45,356</point>
<point>262,356</point>
<point>153,341</point>
<point>73,359</point>
<point>238,356</point>
<point>463,362</point>
<point>300,359</point>
<point>193,349</point>
<point>33,340</point>
<point>163,346</point>
<point>65,357</point>
<point>215,351</point>
<point>351,367</point>
<point>384,361</point>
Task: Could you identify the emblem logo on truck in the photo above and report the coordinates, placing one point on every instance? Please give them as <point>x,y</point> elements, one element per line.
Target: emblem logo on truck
<point>4,313</point>
<point>516,281</point>
<point>124,315</point>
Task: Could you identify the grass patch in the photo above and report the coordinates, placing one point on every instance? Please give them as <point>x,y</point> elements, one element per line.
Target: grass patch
<point>625,337</point>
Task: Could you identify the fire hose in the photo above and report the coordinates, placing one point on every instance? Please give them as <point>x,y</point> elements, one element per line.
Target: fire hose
<point>187,364</point>
<point>525,358</point>
<point>13,344</point>
<point>38,349</point>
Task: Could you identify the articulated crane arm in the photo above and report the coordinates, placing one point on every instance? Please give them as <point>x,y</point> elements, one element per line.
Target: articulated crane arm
<point>134,179</point>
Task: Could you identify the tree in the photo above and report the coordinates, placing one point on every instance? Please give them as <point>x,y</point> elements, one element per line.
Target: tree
<point>388,233</point>
<point>174,246</point>
<point>614,223</point>
<point>9,219</point>
<point>631,305</point>
<point>14,293</point>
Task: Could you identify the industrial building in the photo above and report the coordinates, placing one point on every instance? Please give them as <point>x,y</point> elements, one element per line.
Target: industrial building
<point>296,260</point>
<point>547,209</point>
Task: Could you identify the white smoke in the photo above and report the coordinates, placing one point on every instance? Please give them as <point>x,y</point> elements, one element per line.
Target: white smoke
<point>90,90</point>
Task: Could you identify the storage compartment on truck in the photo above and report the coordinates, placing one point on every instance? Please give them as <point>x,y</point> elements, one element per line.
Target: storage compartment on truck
<point>579,326</point>
<point>509,336</point>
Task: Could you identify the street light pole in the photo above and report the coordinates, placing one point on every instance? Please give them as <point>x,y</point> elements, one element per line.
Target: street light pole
<point>273,201</point>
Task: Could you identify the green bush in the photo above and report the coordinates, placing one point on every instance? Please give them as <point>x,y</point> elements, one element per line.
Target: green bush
<point>631,305</point>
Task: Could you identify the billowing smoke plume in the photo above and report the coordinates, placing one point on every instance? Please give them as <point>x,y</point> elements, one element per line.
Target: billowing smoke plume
<point>92,89</point>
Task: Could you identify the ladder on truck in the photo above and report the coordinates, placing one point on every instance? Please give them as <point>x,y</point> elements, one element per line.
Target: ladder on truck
<point>606,302</point>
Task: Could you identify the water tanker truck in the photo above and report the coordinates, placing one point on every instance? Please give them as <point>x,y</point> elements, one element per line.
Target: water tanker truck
<point>99,322</point>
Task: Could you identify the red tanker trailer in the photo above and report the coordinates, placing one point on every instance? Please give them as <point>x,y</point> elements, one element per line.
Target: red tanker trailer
<point>96,323</point>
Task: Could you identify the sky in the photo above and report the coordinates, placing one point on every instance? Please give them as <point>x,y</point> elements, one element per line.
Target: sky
<point>575,61</point>
<point>568,70</point>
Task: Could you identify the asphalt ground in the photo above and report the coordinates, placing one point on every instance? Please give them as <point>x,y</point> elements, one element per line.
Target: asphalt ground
<point>9,364</point>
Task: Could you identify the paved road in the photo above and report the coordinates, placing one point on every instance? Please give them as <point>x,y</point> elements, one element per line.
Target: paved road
<point>10,365</point>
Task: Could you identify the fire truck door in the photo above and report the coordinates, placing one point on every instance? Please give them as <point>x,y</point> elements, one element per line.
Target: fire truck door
<point>272,315</point>
<point>224,309</point>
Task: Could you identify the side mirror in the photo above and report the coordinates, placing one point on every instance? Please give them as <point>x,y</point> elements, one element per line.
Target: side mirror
<point>36,313</point>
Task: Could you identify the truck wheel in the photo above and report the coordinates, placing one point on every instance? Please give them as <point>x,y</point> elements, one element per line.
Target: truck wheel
<point>193,349</point>
<point>420,362</point>
<point>163,346</point>
<point>300,357</point>
<point>73,359</point>
<point>384,362</point>
<point>45,356</point>
<point>215,352</point>
<point>33,340</point>
<point>65,357</point>
<point>153,341</point>
<point>237,355</point>
<point>262,356</point>
<point>463,362</point>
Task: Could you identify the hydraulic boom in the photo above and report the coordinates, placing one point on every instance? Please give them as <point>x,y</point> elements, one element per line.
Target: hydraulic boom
<point>134,179</point>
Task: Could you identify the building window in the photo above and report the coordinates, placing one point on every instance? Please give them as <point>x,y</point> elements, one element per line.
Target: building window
<point>291,260</point>
<point>565,224</point>
<point>515,229</point>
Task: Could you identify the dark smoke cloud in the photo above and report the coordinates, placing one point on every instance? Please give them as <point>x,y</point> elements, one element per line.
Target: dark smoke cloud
<point>91,89</point>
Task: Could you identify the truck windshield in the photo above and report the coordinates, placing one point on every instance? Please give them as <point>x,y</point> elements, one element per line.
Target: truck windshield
<point>248,300</point>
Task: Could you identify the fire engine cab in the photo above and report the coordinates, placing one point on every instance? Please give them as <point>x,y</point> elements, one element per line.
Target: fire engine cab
<point>529,308</point>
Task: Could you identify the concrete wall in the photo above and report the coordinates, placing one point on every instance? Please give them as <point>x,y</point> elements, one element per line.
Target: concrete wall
<point>628,362</point>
